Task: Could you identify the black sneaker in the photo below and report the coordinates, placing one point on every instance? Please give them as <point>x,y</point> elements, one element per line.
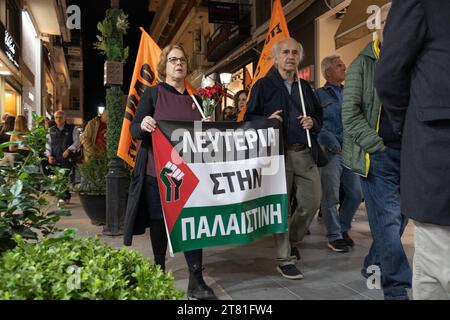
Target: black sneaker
<point>295,253</point>
<point>365,274</point>
<point>348,240</point>
<point>290,271</point>
<point>338,245</point>
<point>319,216</point>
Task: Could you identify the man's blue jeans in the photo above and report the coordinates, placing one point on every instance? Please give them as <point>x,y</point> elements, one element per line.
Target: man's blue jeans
<point>381,191</point>
<point>333,175</point>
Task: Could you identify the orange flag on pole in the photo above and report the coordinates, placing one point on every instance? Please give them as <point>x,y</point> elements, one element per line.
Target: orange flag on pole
<point>247,80</point>
<point>278,30</point>
<point>145,75</point>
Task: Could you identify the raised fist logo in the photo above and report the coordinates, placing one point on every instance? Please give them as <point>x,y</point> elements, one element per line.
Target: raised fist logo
<point>172,177</point>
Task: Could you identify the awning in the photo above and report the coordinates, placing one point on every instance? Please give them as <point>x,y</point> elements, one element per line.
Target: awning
<point>45,13</point>
<point>354,23</point>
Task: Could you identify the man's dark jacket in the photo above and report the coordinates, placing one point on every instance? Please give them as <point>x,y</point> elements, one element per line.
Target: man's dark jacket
<point>413,82</point>
<point>269,94</point>
<point>60,141</point>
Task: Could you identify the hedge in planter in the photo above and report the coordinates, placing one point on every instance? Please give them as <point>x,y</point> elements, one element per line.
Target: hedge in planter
<point>93,173</point>
<point>63,267</point>
<point>92,190</point>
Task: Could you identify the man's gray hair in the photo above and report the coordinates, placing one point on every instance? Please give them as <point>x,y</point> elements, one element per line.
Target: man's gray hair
<point>5,115</point>
<point>60,112</point>
<point>327,63</point>
<point>276,50</point>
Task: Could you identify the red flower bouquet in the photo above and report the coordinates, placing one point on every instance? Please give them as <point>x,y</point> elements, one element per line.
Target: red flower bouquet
<point>211,98</point>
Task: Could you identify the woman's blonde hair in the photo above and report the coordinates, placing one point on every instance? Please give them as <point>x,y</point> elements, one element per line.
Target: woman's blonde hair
<point>162,65</point>
<point>20,125</point>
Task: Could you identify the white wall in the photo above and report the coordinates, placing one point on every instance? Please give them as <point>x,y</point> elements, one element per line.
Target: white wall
<point>326,28</point>
<point>31,56</point>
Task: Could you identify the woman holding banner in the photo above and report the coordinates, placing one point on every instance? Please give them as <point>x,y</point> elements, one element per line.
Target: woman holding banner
<point>169,100</point>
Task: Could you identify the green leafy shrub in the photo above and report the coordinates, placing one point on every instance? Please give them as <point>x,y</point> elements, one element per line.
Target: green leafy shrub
<point>94,173</point>
<point>25,192</point>
<point>63,267</point>
<point>116,109</point>
<point>110,41</point>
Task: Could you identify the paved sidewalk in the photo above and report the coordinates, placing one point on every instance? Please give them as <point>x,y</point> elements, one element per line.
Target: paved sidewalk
<point>249,271</point>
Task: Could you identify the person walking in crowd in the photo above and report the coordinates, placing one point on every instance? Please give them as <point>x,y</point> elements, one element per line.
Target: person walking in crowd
<point>277,96</point>
<point>413,80</point>
<point>63,142</point>
<point>20,126</point>
<point>240,98</point>
<point>228,114</point>
<point>169,100</point>
<point>334,175</point>
<point>372,149</point>
<point>8,126</point>
<point>93,138</point>
<point>3,120</point>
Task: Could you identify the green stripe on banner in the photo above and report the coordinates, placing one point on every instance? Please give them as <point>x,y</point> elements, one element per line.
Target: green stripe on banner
<point>239,223</point>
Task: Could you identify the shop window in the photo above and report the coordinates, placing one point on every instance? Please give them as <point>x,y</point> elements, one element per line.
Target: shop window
<point>75,103</point>
<point>12,100</point>
<point>75,74</point>
<point>262,11</point>
<point>244,12</point>
<point>13,20</point>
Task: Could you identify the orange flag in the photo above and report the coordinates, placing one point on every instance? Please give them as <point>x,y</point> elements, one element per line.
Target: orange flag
<point>278,30</point>
<point>145,75</point>
<point>247,80</point>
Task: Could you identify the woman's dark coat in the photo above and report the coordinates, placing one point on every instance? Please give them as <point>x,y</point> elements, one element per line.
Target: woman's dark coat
<point>136,221</point>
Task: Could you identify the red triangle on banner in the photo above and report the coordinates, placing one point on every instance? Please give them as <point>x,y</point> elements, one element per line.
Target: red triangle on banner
<point>176,181</point>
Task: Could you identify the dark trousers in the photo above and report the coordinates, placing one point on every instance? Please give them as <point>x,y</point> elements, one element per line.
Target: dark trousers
<point>158,237</point>
<point>381,191</point>
<point>158,233</point>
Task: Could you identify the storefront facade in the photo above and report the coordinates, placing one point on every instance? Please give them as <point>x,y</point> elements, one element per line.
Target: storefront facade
<point>10,51</point>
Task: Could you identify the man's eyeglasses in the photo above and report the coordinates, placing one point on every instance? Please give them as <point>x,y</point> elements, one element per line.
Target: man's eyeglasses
<point>174,60</point>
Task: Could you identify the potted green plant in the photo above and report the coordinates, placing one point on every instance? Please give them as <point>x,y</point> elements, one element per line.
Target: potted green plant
<point>27,195</point>
<point>92,190</point>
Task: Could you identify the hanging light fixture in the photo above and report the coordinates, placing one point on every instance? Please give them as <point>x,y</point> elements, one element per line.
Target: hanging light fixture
<point>225,78</point>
